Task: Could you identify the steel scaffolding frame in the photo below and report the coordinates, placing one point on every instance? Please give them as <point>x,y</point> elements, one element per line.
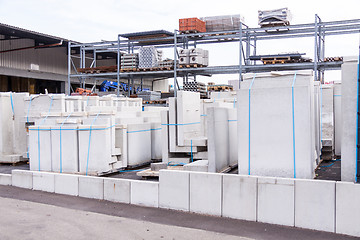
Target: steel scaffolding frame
<point>245,36</point>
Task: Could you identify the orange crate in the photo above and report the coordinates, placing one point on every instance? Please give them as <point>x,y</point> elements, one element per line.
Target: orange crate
<point>192,24</point>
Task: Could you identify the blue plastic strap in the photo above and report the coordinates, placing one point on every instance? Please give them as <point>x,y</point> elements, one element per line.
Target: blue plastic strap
<point>51,102</point>
<point>251,84</point>
<point>293,121</point>
<point>27,115</point>
<point>357,121</point>
<point>179,124</point>
<point>61,141</point>
<point>337,95</point>
<point>203,115</point>
<point>88,153</point>
<point>12,104</point>
<point>232,120</point>
<point>145,130</point>
<point>234,102</point>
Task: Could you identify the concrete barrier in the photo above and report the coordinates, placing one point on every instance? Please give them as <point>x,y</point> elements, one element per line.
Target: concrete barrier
<point>91,187</point>
<point>205,193</point>
<point>315,205</point>
<point>239,197</point>
<point>144,193</point>
<point>348,208</point>
<point>44,181</point>
<point>276,203</point>
<point>174,190</point>
<point>117,190</point>
<point>22,178</point>
<point>5,179</point>
<point>67,184</point>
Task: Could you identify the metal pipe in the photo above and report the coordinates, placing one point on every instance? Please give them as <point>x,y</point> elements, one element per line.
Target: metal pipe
<point>69,69</point>
<point>175,65</point>
<point>118,67</point>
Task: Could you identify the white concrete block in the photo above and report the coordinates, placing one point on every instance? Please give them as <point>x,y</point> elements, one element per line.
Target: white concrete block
<point>239,197</point>
<point>5,179</point>
<point>139,143</point>
<point>144,193</point>
<point>44,181</point>
<point>174,189</point>
<point>337,119</point>
<point>40,140</point>
<point>117,190</point>
<point>206,193</point>
<point>276,201</point>
<point>22,178</point>
<point>156,140</point>
<point>315,204</point>
<point>347,208</point>
<point>67,184</point>
<point>197,166</point>
<point>91,187</point>
<point>348,113</point>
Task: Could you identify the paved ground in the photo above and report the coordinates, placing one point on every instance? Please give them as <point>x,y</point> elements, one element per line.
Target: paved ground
<point>329,170</point>
<point>27,214</point>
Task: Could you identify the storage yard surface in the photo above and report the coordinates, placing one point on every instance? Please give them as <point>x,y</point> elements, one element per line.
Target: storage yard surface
<point>39,215</point>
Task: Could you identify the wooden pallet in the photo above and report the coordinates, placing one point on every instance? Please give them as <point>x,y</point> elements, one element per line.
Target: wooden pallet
<point>219,88</point>
<point>191,66</point>
<point>283,60</point>
<point>102,69</point>
<point>128,70</point>
<point>189,31</point>
<point>333,59</point>
<point>275,24</point>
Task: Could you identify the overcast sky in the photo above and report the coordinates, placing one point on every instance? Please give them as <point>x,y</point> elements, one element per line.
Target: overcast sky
<point>90,20</point>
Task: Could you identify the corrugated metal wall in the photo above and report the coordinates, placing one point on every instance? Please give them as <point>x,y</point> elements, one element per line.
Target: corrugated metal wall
<point>51,60</point>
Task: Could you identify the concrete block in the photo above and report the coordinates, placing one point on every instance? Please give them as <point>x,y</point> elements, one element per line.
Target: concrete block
<point>91,187</point>
<point>40,139</point>
<point>197,166</point>
<point>5,179</point>
<point>67,184</point>
<point>158,166</point>
<point>174,189</point>
<point>22,178</point>
<point>239,197</point>
<point>44,181</point>
<point>276,201</point>
<point>144,193</point>
<point>117,190</point>
<point>206,193</point>
<point>139,143</point>
<point>347,208</point>
<point>315,204</point>
<point>337,119</point>
<point>156,140</point>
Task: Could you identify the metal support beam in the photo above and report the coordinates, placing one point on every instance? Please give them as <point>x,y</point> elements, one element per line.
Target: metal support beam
<point>69,69</point>
<point>118,67</point>
<point>175,65</point>
<point>240,53</point>
<point>357,177</point>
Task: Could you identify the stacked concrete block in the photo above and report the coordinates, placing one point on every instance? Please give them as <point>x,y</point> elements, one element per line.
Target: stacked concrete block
<point>239,197</point>
<point>129,60</point>
<point>145,193</point>
<point>139,143</point>
<point>184,56</point>
<point>91,187</point>
<point>347,208</point>
<point>6,129</point>
<point>315,205</point>
<point>275,134</point>
<point>149,95</point>
<point>327,121</point>
<point>40,148</point>
<point>206,193</point>
<point>174,190</point>
<point>337,119</point>
<point>222,23</point>
<point>349,72</point>
<point>156,141</point>
<point>117,190</point>
<point>276,201</point>
<point>197,166</point>
<point>316,119</point>
<point>199,56</point>
<point>149,57</point>
<point>22,179</point>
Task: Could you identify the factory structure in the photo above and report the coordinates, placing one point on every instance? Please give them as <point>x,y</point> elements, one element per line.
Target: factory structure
<point>255,149</point>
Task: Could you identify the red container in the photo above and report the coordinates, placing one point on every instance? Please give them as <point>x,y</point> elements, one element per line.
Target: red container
<point>191,25</point>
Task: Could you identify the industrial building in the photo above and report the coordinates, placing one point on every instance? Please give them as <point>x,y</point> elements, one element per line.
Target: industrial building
<point>262,148</point>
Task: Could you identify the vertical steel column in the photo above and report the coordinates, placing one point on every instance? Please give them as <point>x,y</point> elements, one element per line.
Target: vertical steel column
<point>118,67</point>
<point>175,60</point>
<point>316,49</point>
<point>69,69</point>
<point>247,60</point>
<point>240,53</point>
<point>357,172</point>
<point>254,52</point>
<point>94,58</point>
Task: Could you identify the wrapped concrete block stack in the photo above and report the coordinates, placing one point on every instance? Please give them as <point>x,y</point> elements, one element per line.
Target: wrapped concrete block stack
<point>130,60</point>
<point>194,56</point>
<point>222,23</point>
<point>167,63</point>
<point>149,57</point>
<point>149,95</point>
<point>280,16</point>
